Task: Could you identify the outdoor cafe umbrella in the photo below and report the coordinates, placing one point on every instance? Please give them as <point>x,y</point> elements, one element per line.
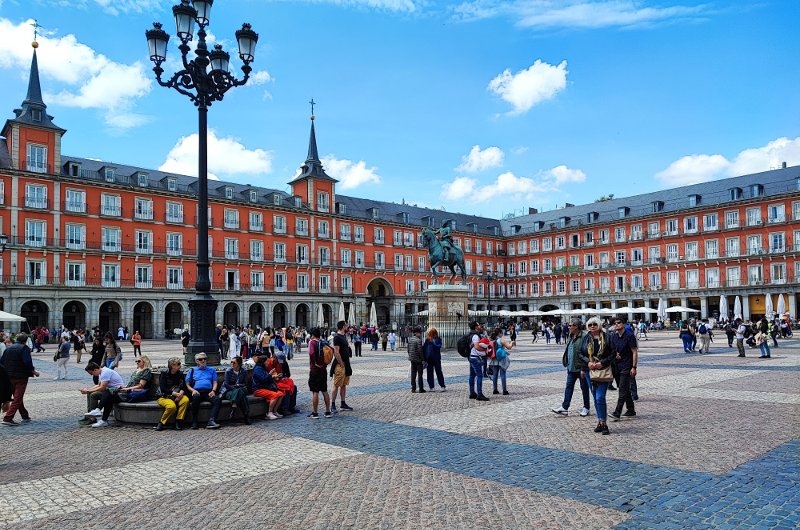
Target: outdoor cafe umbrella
<point>781,305</point>
<point>320,316</point>
<point>681,309</point>
<point>341,312</point>
<point>373,315</point>
<point>737,308</point>
<point>8,317</point>
<point>723,307</point>
<point>769,312</point>
<point>662,309</point>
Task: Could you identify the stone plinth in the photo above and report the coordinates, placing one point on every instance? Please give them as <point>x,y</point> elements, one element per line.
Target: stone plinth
<point>448,313</point>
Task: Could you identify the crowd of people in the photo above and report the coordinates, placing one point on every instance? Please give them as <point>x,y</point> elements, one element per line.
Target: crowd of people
<point>596,356</point>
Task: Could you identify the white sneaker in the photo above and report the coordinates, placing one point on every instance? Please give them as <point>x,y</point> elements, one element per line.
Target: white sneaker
<point>584,411</point>
<point>560,410</point>
<point>96,413</point>
<point>272,416</point>
<point>278,414</point>
<point>100,423</point>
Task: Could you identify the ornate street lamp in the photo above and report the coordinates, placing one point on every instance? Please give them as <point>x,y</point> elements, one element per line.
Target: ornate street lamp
<point>204,80</point>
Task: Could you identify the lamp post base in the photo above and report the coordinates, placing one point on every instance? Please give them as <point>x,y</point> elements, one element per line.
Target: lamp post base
<point>202,310</point>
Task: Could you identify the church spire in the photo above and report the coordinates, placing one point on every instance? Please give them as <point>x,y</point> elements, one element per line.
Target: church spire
<point>312,168</point>
<point>34,110</point>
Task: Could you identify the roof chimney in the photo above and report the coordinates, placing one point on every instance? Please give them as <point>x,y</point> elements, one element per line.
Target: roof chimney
<point>568,205</point>
<point>532,211</point>
<point>783,166</point>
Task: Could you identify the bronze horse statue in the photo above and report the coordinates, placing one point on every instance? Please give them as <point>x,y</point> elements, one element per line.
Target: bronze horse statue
<point>436,257</point>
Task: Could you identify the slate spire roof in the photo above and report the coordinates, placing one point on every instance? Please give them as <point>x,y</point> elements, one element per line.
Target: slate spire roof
<point>34,110</point>
<point>312,168</point>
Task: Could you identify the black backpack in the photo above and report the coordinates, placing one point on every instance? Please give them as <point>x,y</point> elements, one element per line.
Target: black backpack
<point>464,344</point>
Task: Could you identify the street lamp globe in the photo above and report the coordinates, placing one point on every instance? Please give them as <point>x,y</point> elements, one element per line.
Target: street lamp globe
<point>203,8</point>
<point>219,59</point>
<point>247,39</point>
<point>185,16</point>
<point>157,40</point>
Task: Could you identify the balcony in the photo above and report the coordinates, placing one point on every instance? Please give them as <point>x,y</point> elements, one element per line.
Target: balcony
<point>37,167</point>
<point>74,206</point>
<point>175,251</point>
<point>777,219</point>
<point>34,201</point>
<point>174,218</point>
<point>231,223</point>
<point>111,210</point>
<point>146,215</point>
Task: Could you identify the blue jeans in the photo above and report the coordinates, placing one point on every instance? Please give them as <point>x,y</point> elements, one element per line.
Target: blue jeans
<point>600,390</point>
<point>764,347</point>
<point>496,370</point>
<point>475,372</point>
<point>687,341</point>
<point>571,378</point>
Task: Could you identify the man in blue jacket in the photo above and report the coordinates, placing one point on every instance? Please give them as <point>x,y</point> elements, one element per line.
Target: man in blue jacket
<point>202,383</point>
<point>18,363</point>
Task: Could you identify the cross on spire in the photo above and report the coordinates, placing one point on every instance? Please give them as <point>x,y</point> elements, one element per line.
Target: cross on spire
<point>36,27</point>
<point>312,103</point>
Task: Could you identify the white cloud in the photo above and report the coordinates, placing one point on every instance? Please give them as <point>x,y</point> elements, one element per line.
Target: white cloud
<point>459,188</point>
<point>227,157</point>
<point>561,174</point>
<point>261,77</point>
<point>84,78</point>
<point>545,14</point>
<point>529,87</point>
<point>479,160</point>
<point>510,187</point>
<point>350,174</point>
<point>407,6</point>
<point>692,169</point>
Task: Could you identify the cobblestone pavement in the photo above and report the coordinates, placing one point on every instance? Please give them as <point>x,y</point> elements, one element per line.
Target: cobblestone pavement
<point>715,444</point>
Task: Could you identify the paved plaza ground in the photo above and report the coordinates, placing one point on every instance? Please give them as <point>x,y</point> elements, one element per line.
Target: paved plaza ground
<point>715,444</point>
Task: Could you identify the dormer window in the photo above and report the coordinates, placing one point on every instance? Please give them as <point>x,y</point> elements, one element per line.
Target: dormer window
<point>495,230</point>
<point>373,212</point>
<point>253,196</point>
<point>453,224</point>
<point>694,200</point>
<point>110,174</point>
<point>658,206</point>
<point>298,201</point>
<point>73,169</point>
<point>142,180</point>
<point>403,217</point>
<point>623,211</point>
<point>756,190</point>
<point>735,193</point>
<point>276,199</point>
<point>474,227</point>
<point>172,184</point>
<point>591,217</point>
<point>342,208</point>
<point>563,222</point>
<point>228,192</point>
<point>36,115</point>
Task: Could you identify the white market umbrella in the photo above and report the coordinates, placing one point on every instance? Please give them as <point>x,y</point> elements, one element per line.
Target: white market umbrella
<point>645,310</point>
<point>737,308</point>
<point>723,307</point>
<point>9,317</point>
<point>320,316</point>
<point>662,309</point>
<point>537,313</point>
<point>373,315</point>
<point>681,309</point>
<point>342,312</point>
<point>478,312</point>
<point>421,313</point>
<point>625,309</point>
<point>769,311</point>
<point>781,305</point>
<point>503,313</point>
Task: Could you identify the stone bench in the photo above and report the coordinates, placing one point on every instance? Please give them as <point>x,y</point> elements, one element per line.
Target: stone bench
<point>149,412</point>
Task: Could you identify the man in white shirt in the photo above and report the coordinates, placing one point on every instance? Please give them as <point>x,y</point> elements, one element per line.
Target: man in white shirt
<point>740,331</point>
<point>104,394</point>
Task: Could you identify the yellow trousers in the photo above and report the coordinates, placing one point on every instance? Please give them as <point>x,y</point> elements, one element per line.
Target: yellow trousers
<point>170,407</point>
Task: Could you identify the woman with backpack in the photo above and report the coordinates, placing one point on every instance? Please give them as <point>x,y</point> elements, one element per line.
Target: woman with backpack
<point>317,375</point>
<point>500,362</point>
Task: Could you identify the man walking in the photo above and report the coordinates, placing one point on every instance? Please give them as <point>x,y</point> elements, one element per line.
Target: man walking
<point>740,331</point>
<point>623,344</point>
<point>18,363</point>
<point>341,366</point>
<point>417,360</point>
<point>704,330</point>
<point>575,370</point>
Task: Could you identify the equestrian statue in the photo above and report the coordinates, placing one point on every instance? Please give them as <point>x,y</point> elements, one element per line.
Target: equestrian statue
<point>443,251</point>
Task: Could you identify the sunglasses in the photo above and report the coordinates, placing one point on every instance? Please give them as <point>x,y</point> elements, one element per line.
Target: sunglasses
<point>593,325</point>
<point>204,359</point>
<point>617,322</point>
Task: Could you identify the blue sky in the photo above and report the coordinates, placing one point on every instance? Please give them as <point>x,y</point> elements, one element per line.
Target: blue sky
<point>477,106</point>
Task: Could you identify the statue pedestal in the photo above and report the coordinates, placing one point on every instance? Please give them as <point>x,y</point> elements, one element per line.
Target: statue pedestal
<point>448,313</point>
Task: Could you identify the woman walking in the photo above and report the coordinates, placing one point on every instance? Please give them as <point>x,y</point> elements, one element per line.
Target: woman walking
<point>62,358</point>
<point>597,357</point>
<point>136,341</point>
<point>432,351</point>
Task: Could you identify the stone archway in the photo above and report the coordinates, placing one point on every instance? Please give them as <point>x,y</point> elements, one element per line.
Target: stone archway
<point>143,320</point>
<point>173,316</point>
<point>380,293</point>
<point>74,315</point>
<point>327,315</point>
<point>279,316</point>
<point>109,317</point>
<point>36,313</point>
<point>301,315</point>
<point>231,315</point>
<point>256,315</point>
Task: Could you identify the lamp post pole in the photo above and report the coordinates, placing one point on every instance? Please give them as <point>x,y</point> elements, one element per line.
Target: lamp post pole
<point>204,80</point>
<point>489,278</point>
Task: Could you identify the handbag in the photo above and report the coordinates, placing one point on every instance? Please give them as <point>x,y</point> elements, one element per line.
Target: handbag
<point>602,375</point>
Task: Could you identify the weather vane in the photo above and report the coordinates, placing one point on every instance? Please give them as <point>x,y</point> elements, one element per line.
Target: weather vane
<point>36,27</point>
